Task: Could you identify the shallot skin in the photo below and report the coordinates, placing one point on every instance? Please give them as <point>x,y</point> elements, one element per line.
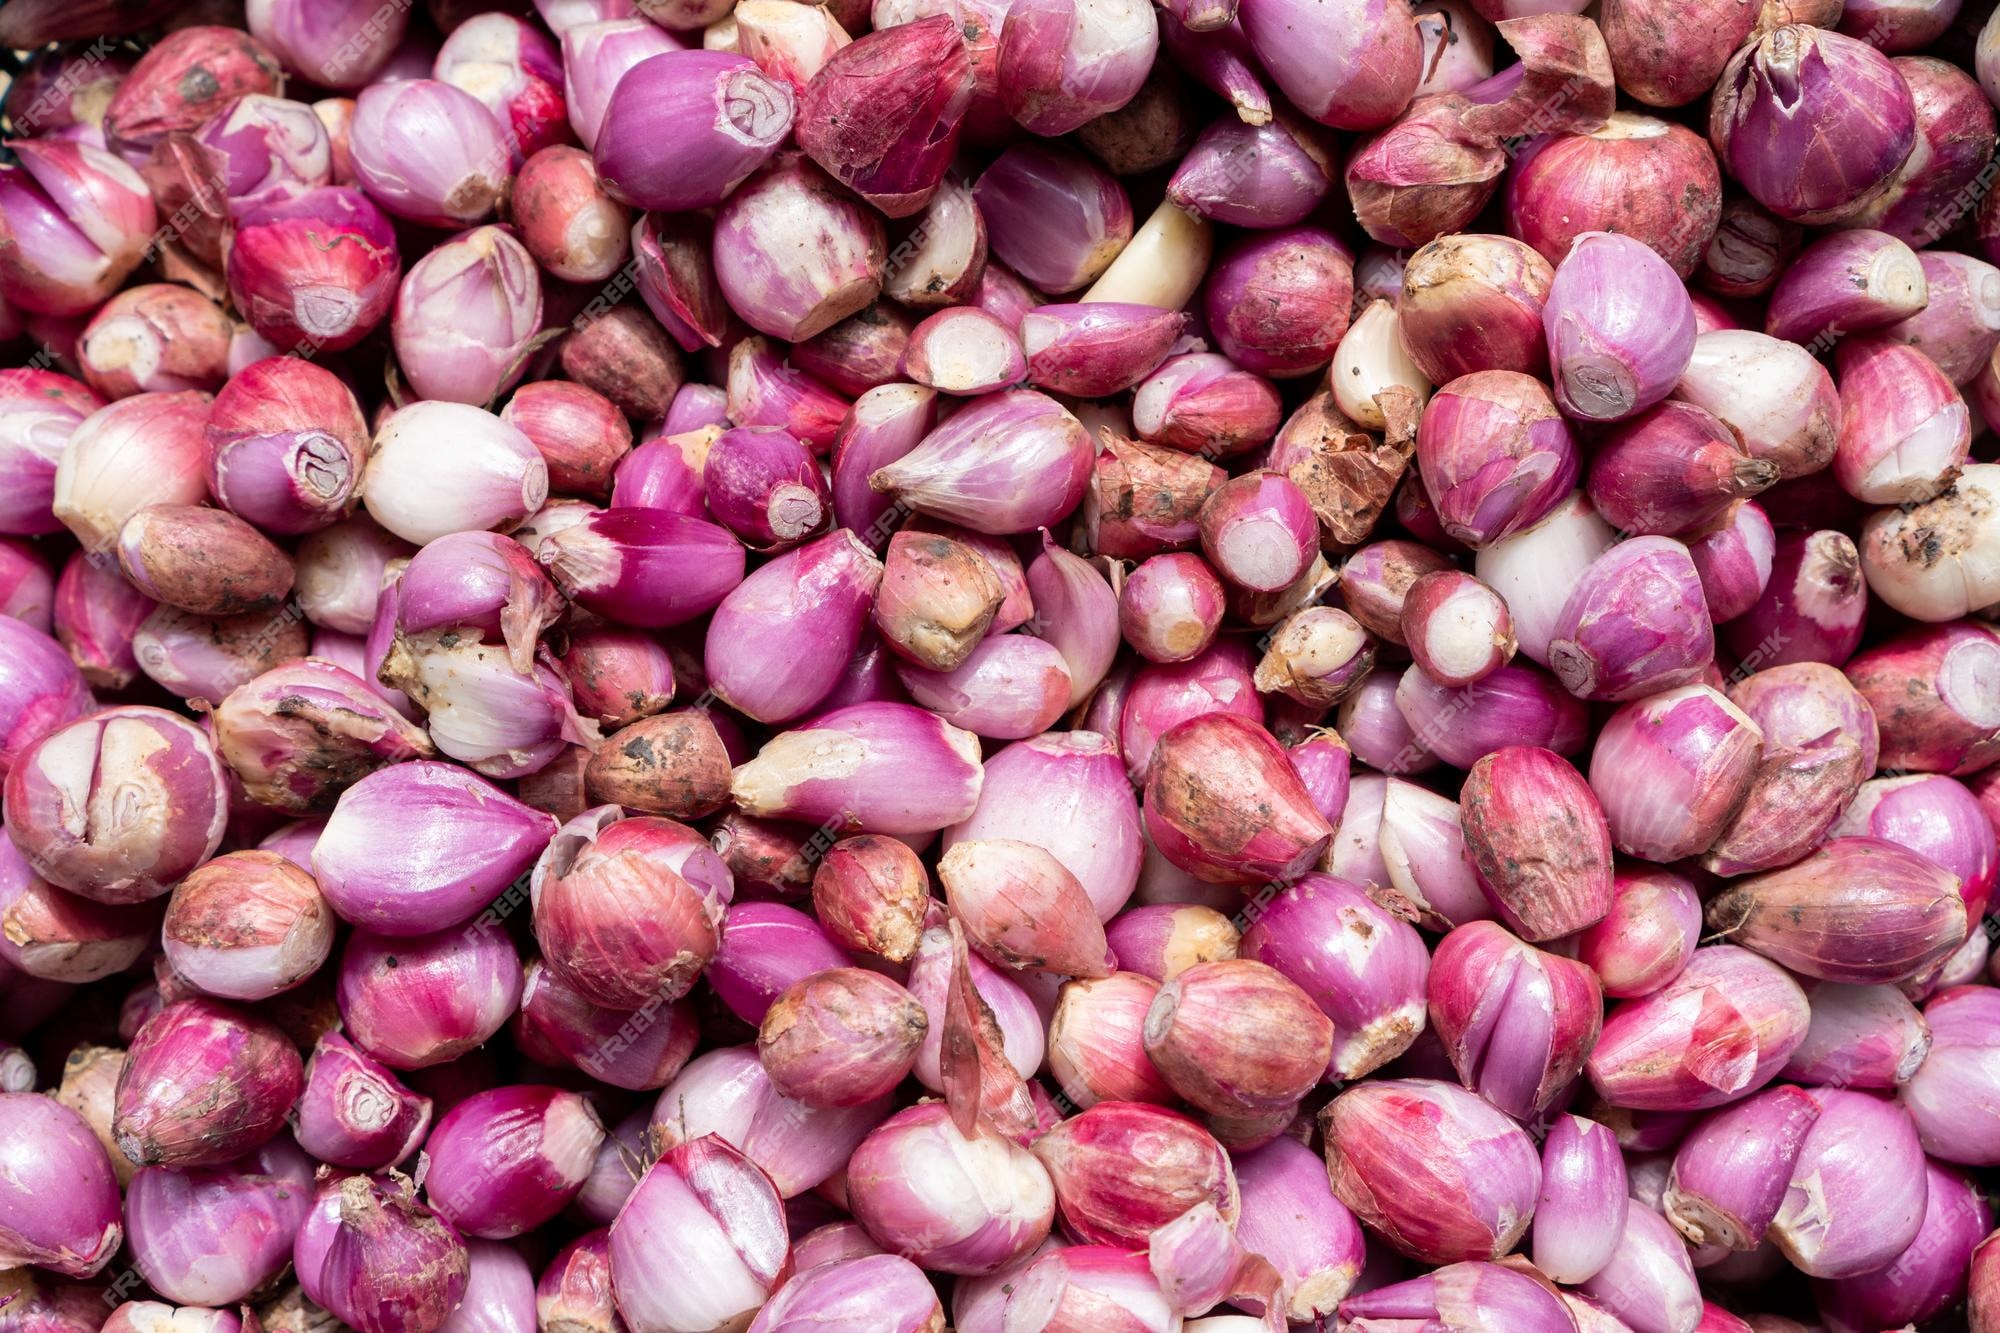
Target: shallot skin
<point>1027,666</point>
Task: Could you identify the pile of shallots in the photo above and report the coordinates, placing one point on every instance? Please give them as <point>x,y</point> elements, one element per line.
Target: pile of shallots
<point>1049,666</point>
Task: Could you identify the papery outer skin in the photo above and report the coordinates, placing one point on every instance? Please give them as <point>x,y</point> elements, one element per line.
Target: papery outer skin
<point>1290,169</point>
<point>1033,462</point>
<point>1018,1014</point>
<point>246,926</point>
<point>357,1226</point>
<point>1278,302</point>
<point>1104,1201</point>
<point>213,1235</point>
<point>1365,967</point>
<point>423,879</point>
<point>506,1160</point>
<point>1065,792</point>
<point>1582,1206</point>
<point>61,1201</point>
<point>421,1001</point>
<point>881,1290</point>
<point>842,1037</point>
<point>726,1092</point>
<point>908,127</point>
<point>1810,916</point>
<point>1731,1172</point>
<point>305,295</point>
<point>56,935</point>
<point>627,910</point>
<point>1023,909</point>
<point>828,586</point>
<point>300,734</point>
<point>1634,625</point>
<point>1216,790</point>
<point>1674,469</point>
<point>1857,1192</point>
<point>515,71</point>
<point>1537,835</point>
<point>1619,325</point>
<point>986,1203</point>
<point>1812,123</point>
<point>1517,1023</point>
<point>205,1082</point>
<point>730,1249</point>
<point>1720,1030</point>
<point>119,805</point>
<point>856,766</point>
<point>1948,1096</point>
<point>1431,1168</point>
<point>1648,936</point>
<point>1701,753</point>
<point>1097,348</point>
<point>202,560</point>
<point>1237,1038</point>
<point>1095,1044</point>
<point>1495,456</point>
<point>1927,689</point>
<point>1649,178</point>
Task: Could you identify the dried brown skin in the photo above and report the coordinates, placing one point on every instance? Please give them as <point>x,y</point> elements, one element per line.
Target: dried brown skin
<point>242,900</point>
<point>871,894</point>
<point>1122,1171</point>
<point>89,1081</point>
<point>1235,1038</point>
<point>579,433</point>
<point>767,854</point>
<point>202,560</point>
<point>1348,474</point>
<point>624,354</point>
<point>980,1082</point>
<point>1793,800</point>
<point>559,788</point>
<point>1538,838</point>
<point>1858,910</point>
<point>937,598</point>
<point>841,1037</point>
<point>1151,131</point>
<point>1671,52</point>
<point>186,78</point>
<point>329,748</point>
<point>673,764</point>
<point>1144,498</point>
